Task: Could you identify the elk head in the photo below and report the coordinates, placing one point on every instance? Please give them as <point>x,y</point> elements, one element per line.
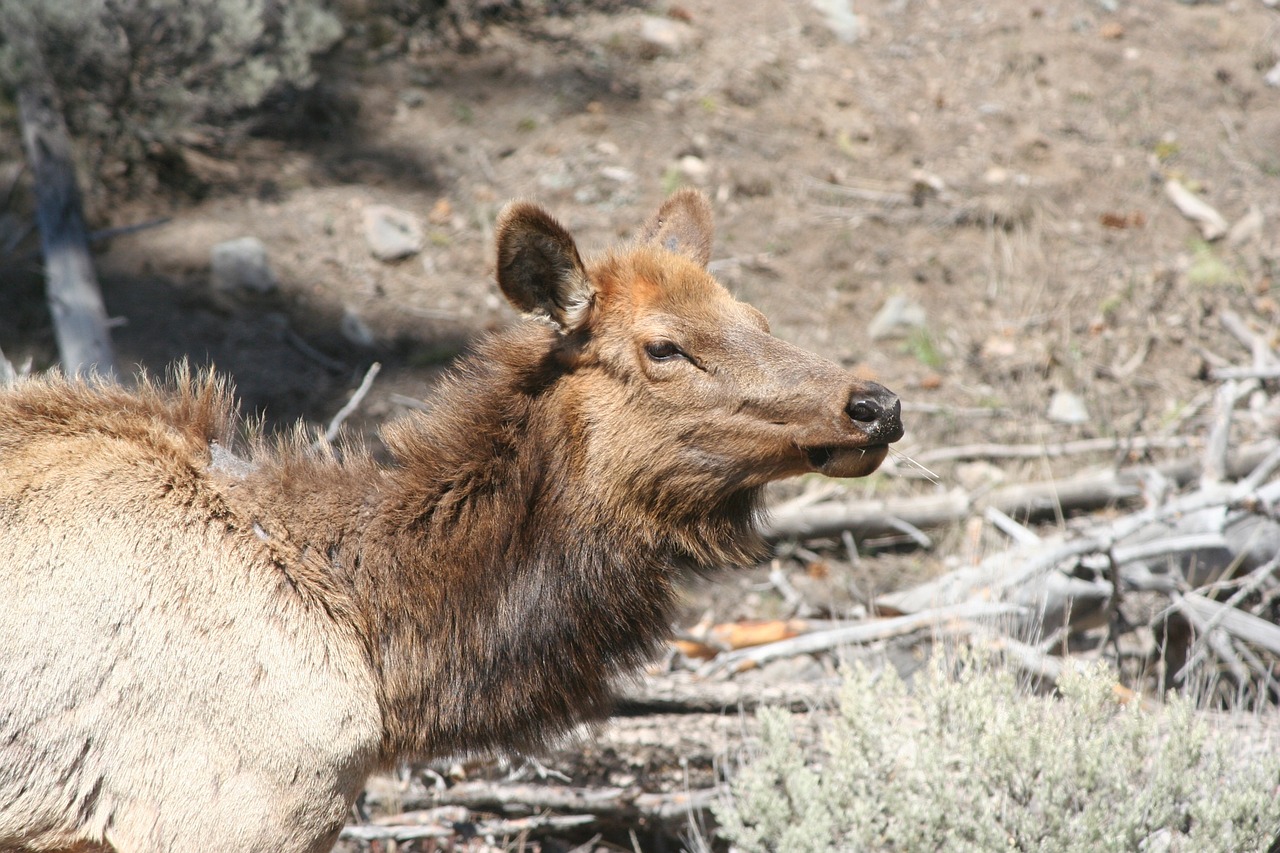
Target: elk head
<point>674,384</point>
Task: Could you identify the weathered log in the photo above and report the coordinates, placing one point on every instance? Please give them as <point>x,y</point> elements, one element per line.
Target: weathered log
<point>482,829</point>
<point>870,518</point>
<point>685,693</point>
<point>75,301</point>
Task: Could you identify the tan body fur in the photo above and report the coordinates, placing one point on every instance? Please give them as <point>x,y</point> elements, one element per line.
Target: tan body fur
<point>210,647</point>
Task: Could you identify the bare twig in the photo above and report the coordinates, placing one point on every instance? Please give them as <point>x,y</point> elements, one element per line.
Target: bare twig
<point>1136,444</point>
<point>1271,371</point>
<point>357,396</point>
<point>484,828</point>
<point>1210,222</point>
<point>1215,452</point>
<point>1019,533</point>
<point>1257,345</point>
<point>880,629</point>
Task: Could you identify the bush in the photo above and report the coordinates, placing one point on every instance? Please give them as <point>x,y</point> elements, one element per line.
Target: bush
<point>136,74</point>
<point>970,762</point>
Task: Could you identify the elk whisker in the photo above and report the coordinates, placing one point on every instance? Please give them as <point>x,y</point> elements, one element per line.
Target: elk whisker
<point>929,475</point>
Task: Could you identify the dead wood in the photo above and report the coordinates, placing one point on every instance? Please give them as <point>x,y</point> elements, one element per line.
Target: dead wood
<point>870,518</point>
<point>940,620</point>
<point>75,300</point>
<point>685,693</point>
<point>481,828</point>
<point>604,803</point>
<point>1136,444</point>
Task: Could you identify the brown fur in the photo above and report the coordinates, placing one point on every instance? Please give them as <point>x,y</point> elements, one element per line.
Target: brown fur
<point>204,644</point>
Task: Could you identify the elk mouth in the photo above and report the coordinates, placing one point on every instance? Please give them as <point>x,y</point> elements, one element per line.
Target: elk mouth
<point>846,461</point>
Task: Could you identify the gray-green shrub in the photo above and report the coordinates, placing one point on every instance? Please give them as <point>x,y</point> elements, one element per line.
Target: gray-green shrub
<point>134,74</point>
<point>968,761</point>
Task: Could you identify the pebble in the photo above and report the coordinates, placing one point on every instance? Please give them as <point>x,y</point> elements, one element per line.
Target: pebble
<point>355,329</point>
<point>241,265</point>
<point>664,37</point>
<point>694,168</point>
<point>392,233</point>
<point>1067,408</point>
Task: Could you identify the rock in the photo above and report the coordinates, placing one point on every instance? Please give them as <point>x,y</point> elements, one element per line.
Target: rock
<point>840,18</point>
<point>355,329</point>
<point>392,233</point>
<point>618,174</point>
<point>664,37</point>
<point>241,265</point>
<point>694,169</point>
<point>898,317</point>
<point>1067,408</point>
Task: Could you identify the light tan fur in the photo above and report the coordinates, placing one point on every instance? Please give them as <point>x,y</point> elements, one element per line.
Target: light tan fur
<point>209,643</point>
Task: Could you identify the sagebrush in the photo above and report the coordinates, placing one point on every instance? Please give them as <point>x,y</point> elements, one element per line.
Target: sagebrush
<point>967,760</point>
<point>135,75</point>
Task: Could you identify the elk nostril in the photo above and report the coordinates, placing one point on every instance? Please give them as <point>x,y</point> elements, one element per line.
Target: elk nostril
<point>864,411</point>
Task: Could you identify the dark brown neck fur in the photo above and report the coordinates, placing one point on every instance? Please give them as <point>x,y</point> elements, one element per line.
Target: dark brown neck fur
<point>500,586</point>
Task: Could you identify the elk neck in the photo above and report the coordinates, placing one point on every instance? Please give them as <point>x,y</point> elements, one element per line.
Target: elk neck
<point>500,584</point>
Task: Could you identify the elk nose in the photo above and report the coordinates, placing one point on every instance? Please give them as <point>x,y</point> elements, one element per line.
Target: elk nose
<point>877,412</point>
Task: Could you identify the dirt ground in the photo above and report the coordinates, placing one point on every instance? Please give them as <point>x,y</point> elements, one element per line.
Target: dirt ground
<point>1001,165</point>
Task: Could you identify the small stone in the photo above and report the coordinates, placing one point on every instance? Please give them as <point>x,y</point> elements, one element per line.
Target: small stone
<point>840,17</point>
<point>694,168</point>
<point>1067,408</point>
<point>898,317</point>
<point>241,265</point>
<point>355,329</point>
<point>618,174</point>
<point>392,233</point>
<point>664,37</point>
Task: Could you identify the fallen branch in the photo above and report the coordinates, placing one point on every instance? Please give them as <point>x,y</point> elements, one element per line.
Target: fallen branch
<point>482,829</point>
<point>1135,444</point>
<point>600,803</point>
<point>1210,222</point>
<point>878,629</point>
<point>1238,623</point>
<point>684,693</point>
<point>868,518</point>
<point>75,300</point>
<point>1271,371</point>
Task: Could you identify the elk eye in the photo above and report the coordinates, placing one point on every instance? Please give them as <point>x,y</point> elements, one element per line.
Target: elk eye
<point>663,350</point>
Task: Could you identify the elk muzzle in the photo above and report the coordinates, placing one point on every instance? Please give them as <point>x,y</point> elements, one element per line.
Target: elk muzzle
<point>875,413</point>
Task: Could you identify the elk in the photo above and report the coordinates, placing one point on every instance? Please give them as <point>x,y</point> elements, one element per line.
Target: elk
<point>210,641</point>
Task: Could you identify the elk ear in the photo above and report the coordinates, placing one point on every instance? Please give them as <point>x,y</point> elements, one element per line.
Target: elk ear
<point>539,269</point>
<point>682,225</point>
